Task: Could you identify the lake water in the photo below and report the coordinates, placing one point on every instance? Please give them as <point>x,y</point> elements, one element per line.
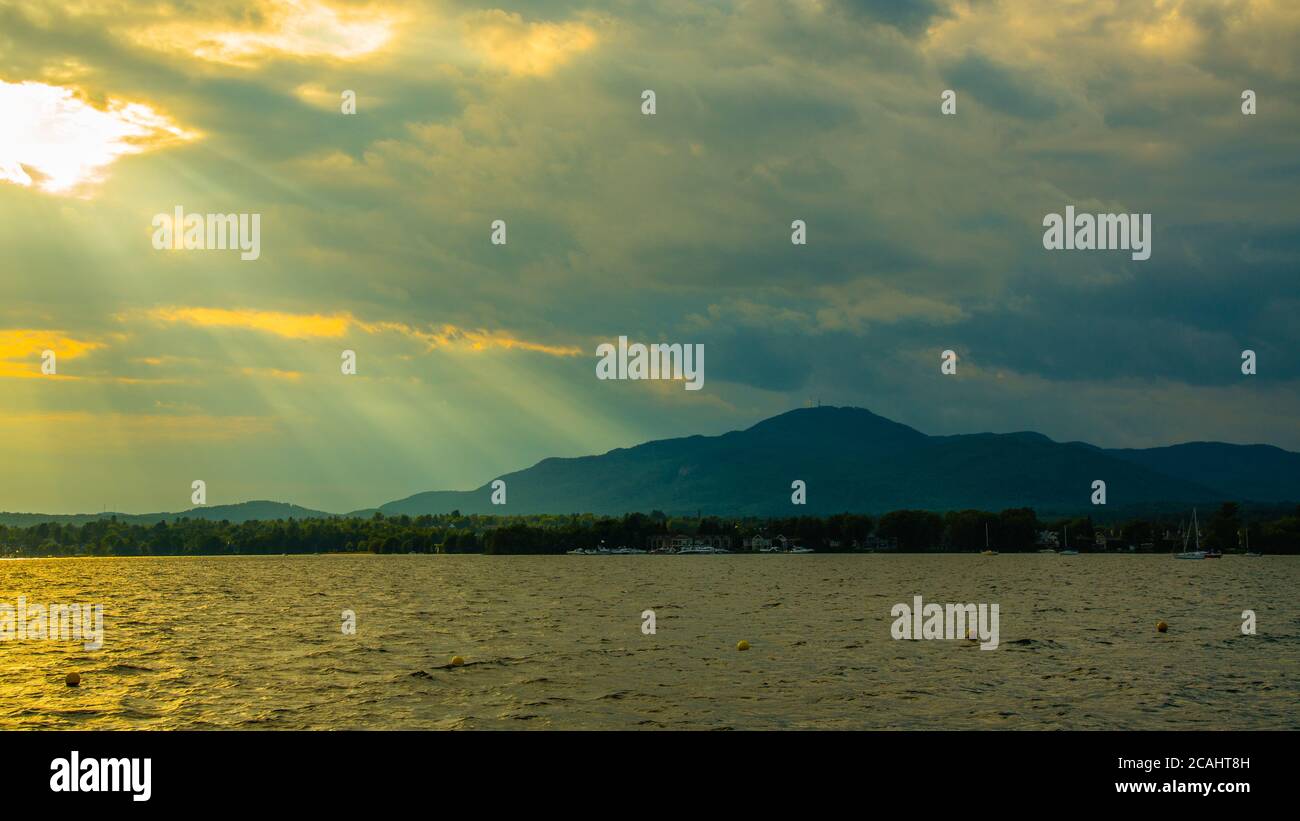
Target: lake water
<point>557,642</point>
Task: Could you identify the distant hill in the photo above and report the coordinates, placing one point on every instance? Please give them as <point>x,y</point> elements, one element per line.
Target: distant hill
<point>1261,473</point>
<point>853,460</point>
<point>242,512</point>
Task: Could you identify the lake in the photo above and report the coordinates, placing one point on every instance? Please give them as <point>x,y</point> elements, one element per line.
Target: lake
<point>557,642</point>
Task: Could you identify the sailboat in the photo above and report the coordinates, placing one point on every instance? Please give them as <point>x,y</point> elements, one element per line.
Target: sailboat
<point>1249,552</point>
<point>986,551</point>
<point>1192,554</point>
<point>1211,553</point>
<point>1067,551</point>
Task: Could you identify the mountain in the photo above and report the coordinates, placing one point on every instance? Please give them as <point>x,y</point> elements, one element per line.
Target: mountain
<point>1262,473</point>
<point>242,512</point>
<point>853,460</point>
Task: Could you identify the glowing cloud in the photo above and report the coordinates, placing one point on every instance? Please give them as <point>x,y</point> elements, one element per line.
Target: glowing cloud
<point>332,326</point>
<point>450,336</point>
<point>290,326</point>
<point>297,28</point>
<point>65,142</point>
<point>21,348</point>
<point>506,41</point>
<point>272,373</point>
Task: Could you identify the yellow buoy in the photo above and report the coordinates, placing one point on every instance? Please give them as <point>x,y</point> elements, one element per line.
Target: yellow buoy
<point>457,661</point>
<point>1161,626</point>
<point>742,645</point>
<point>73,679</point>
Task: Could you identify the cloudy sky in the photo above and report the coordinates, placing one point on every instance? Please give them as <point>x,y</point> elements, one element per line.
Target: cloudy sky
<point>924,231</point>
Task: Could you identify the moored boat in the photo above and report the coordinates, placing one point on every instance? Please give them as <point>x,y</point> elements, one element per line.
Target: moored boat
<point>1197,553</point>
<point>1251,553</point>
<point>986,551</point>
<point>1065,540</point>
<point>699,549</point>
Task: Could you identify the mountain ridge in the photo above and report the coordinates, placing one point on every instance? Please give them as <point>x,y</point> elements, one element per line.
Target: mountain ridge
<point>851,459</point>
<point>252,510</point>
<point>833,450</point>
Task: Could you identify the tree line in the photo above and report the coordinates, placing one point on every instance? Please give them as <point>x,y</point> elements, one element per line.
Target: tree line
<point>1009,531</point>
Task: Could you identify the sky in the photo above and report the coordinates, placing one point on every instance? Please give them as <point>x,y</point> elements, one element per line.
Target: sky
<point>924,231</point>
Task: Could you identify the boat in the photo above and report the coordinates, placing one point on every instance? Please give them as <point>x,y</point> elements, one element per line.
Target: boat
<point>1254,554</point>
<point>986,551</point>
<point>1192,554</point>
<point>1067,550</point>
<point>699,548</point>
<point>596,551</point>
<point>801,550</point>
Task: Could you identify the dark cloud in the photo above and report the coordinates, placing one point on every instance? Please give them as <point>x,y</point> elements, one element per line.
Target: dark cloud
<point>924,230</point>
<point>1001,88</point>
<point>911,17</point>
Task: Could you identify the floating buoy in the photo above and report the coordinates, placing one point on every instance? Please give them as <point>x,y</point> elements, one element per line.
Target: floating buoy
<point>742,645</point>
<point>1161,626</point>
<point>73,679</point>
<point>457,661</point>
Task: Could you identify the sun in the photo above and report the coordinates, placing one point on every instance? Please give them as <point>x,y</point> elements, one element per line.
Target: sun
<point>53,139</point>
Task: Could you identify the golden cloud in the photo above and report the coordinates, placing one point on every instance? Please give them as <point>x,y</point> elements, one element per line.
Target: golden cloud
<point>450,336</point>
<point>504,40</point>
<point>289,326</point>
<point>333,326</point>
<point>21,350</point>
<point>273,373</point>
<point>295,28</point>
